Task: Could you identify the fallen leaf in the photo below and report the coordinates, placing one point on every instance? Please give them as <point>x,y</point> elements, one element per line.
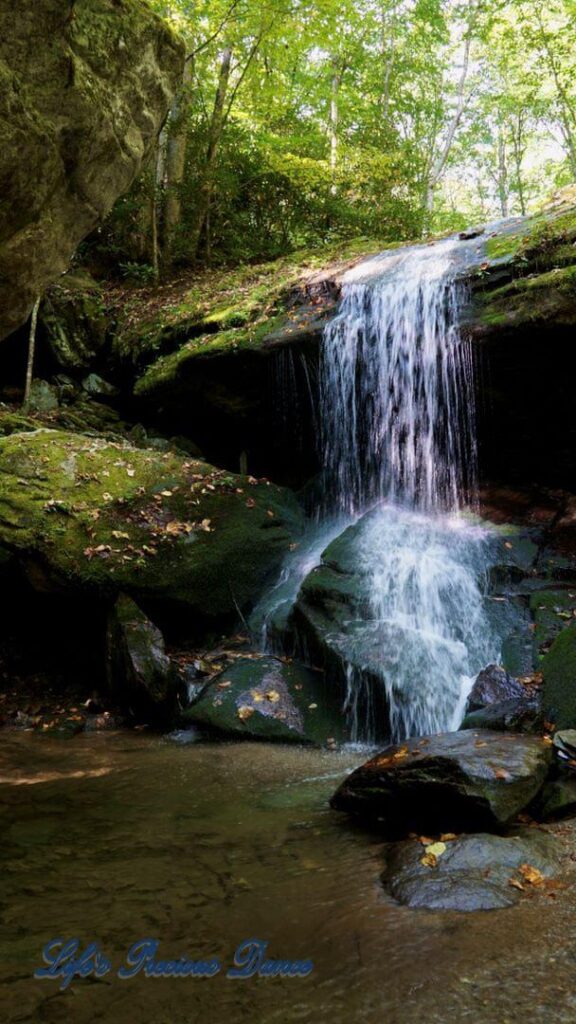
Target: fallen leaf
<point>273,696</point>
<point>447,837</point>
<point>531,874</point>
<point>501,773</point>
<point>244,712</point>
<point>516,884</point>
<point>429,860</point>
<point>436,849</point>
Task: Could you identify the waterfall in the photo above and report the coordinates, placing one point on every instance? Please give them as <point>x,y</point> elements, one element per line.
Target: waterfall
<point>398,436</point>
<point>397,402</point>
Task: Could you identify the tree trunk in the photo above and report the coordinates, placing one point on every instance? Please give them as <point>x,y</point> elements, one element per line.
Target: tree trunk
<point>333,118</point>
<point>518,151</point>
<point>438,165</point>
<point>176,162</point>
<point>217,123</point>
<point>502,174</point>
<point>31,353</point>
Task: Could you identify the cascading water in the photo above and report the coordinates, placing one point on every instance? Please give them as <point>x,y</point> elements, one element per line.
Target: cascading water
<point>398,443</point>
<point>398,435</point>
<point>397,402</point>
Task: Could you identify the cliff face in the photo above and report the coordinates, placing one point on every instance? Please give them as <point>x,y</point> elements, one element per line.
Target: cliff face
<point>84,88</point>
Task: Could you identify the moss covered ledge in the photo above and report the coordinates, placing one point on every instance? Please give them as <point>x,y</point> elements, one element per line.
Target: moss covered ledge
<point>94,517</point>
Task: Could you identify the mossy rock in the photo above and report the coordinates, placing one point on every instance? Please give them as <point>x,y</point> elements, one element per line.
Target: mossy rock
<point>559,686</point>
<point>73,321</point>
<point>98,517</point>
<point>265,698</point>
<point>78,117</point>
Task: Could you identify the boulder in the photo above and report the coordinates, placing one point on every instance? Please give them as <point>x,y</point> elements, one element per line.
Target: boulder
<point>492,686</point>
<point>139,672</point>
<point>408,676</point>
<point>78,116</point>
<point>463,781</point>
<point>559,686</point>
<point>557,799</point>
<point>72,320</point>
<point>92,517</point>
<point>522,714</point>
<point>43,397</point>
<point>265,698</point>
<point>475,872</point>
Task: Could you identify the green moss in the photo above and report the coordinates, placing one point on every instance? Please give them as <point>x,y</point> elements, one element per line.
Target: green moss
<point>101,516</point>
<point>559,687</point>
<point>501,246</point>
<point>154,321</point>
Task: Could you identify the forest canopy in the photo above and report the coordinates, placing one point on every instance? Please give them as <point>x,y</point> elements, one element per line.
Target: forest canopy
<point>301,122</point>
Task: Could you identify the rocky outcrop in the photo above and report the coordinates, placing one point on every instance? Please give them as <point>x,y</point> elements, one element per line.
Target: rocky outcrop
<point>140,676</point>
<point>86,516</point>
<point>453,782</point>
<point>265,698</point>
<point>77,118</point>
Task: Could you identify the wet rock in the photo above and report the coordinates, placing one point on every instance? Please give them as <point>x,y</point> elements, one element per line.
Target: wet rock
<point>402,673</point>
<point>265,698</point>
<point>78,117</point>
<point>492,686</point>
<point>473,873</point>
<point>559,686</point>
<point>139,672</point>
<point>463,781</point>
<point>465,236</point>
<point>523,714</point>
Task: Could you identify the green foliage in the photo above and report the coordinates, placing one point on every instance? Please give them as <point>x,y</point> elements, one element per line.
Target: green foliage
<point>333,119</point>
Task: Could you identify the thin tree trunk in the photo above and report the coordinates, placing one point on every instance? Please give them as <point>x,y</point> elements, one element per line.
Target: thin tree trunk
<point>518,152</point>
<point>176,162</point>
<point>438,165</point>
<point>217,123</point>
<point>502,174</point>
<point>567,111</point>
<point>31,353</point>
<point>334,114</point>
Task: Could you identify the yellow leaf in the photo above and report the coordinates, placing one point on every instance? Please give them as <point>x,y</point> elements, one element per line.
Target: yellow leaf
<point>436,849</point>
<point>428,860</point>
<point>273,696</point>
<point>531,874</point>
<point>244,712</point>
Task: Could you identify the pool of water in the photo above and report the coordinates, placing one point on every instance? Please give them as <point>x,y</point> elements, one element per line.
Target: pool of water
<point>121,836</point>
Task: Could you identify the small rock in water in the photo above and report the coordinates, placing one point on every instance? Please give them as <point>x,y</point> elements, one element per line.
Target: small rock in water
<point>461,781</point>
<point>476,872</point>
<point>519,715</point>
<point>492,686</point>
<point>465,236</point>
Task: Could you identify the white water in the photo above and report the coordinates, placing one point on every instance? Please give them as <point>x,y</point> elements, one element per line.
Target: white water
<point>397,402</point>
<point>397,427</point>
<point>398,432</point>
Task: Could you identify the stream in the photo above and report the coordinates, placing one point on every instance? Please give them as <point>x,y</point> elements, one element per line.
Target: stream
<point>121,836</point>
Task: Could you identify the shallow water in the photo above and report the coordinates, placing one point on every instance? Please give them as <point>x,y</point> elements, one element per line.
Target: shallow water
<point>121,836</point>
